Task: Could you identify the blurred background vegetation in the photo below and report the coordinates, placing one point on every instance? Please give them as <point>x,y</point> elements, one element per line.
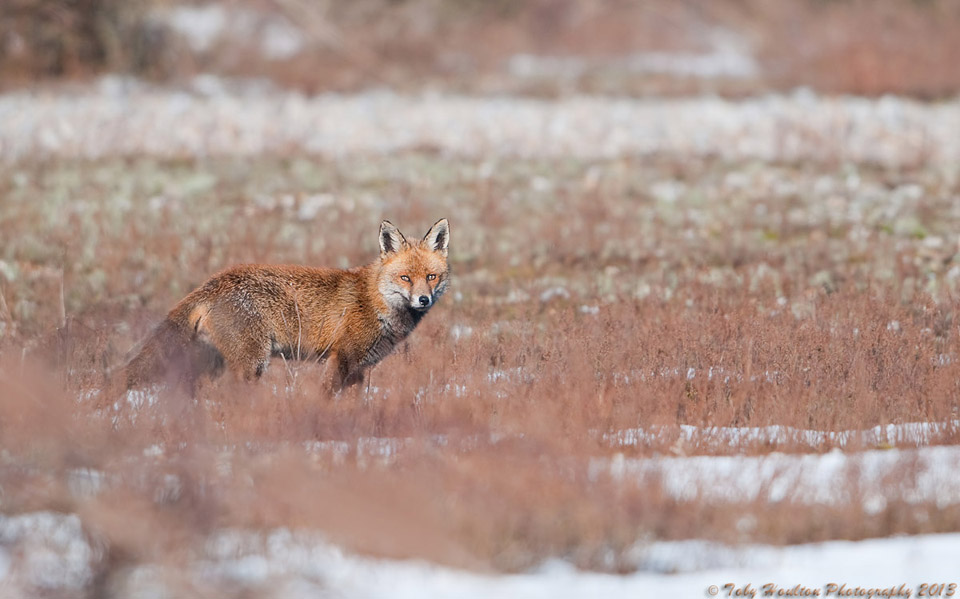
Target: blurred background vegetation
<point>533,47</point>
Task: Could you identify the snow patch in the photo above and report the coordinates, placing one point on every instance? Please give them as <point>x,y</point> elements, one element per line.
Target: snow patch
<point>870,478</point>
<point>285,563</point>
<point>41,552</point>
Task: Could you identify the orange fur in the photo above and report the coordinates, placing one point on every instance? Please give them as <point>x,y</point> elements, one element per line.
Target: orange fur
<point>244,315</point>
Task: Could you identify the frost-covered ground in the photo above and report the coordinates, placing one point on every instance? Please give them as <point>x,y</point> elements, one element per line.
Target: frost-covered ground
<point>869,478</point>
<point>891,435</point>
<point>46,550</point>
<point>52,553</point>
<point>49,554</point>
<point>216,117</point>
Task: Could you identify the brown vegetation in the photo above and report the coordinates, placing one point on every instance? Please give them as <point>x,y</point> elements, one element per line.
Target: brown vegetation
<point>837,46</point>
<point>596,306</point>
<point>593,303</point>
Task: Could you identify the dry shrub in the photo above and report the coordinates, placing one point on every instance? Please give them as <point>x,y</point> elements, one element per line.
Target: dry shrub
<point>484,441</point>
<point>860,47</point>
<point>856,47</point>
<point>42,39</point>
<point>505,483</point>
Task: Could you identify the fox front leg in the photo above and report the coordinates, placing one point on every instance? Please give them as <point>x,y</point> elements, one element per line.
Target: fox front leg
<point>348,373</point>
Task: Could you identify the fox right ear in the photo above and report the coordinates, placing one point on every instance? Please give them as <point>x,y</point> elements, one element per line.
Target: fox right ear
<point>391,239</point>
<point>438,237</point>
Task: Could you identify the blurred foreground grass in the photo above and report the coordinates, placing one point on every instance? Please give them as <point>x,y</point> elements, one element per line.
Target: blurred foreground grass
<point>589,298</point>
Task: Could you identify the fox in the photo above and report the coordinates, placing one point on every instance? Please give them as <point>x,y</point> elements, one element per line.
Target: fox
<point>245,315</point>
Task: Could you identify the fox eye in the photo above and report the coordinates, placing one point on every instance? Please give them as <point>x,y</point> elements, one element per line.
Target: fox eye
<point>405,278</point>
<point>431,277</point>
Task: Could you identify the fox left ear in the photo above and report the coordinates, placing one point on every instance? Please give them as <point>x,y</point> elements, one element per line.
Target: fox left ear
<point>438,237</point>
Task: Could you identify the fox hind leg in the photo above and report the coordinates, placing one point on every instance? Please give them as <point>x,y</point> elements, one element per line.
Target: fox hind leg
<point>243,342</point>
<point>250,359</point>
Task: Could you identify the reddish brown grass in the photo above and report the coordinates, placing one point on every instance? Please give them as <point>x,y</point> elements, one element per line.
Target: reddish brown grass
<point>860,47</point>
<point>573,315</point>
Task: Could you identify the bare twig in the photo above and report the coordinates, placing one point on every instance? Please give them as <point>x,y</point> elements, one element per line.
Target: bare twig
<point>4,310</point>
<point>291,374</point>
<point>63,306</point>
<point>296,306</point>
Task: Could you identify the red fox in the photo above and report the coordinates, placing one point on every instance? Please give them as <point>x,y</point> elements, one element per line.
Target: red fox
<point>244,315</point>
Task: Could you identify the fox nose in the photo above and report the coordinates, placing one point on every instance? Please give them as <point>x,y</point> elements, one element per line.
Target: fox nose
<point>424,300</point>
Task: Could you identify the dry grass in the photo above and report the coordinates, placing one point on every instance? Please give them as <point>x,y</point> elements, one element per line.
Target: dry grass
<point>44,39</point>
<point>860,47</point>
<point>590,299</point>
<point>823,294</point>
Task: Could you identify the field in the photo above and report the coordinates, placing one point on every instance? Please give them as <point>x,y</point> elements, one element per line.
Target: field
<point>687,342</point>
<point>612,323</point>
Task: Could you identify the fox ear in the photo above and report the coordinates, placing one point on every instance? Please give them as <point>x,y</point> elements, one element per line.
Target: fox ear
<point>438,237</point>
<point>391,239</point>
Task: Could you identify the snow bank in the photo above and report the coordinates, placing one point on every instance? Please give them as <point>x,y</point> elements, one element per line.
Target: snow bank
<point>55,559</point>
<point>872,478</point>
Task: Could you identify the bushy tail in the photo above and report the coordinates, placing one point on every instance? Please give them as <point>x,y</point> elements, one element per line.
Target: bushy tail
<point>175,352</point>
<point>156,357</point>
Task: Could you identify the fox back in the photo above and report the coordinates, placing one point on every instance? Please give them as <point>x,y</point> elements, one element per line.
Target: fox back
<point>241,317</point>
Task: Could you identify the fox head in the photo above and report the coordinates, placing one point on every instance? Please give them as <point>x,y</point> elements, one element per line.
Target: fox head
<point>413,275</point>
